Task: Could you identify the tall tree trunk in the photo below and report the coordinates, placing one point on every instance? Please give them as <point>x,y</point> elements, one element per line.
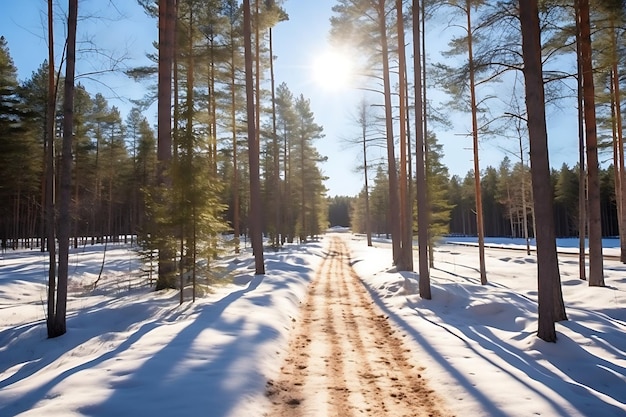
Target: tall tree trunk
<point>477,189</point>
<point>582,174</point>
<point>621,194</point>
<point>617,176</point>
<point>406,217</point>
<point>256,23</point>
<point>431,249</point>
<point>547,261</point>
<point>176,89</point>
<point>65,181</point>
<point>368,223</point>
<point>255,216</point>
<point>77,202</point>
<point>233,120</point>
<point>188,163</point>
<point>596,268</point>
<point>134,208</point>
<point>212,113</point>
<point>396,232</point>
<point>50,183</point>
<point>257,71</point>
<point>303,191</point>
<point>97,204</point>
<point>167,18</point>
<point>524,203</point>
<point>213,116</point>
<point>16,216</point>
<point>420,169</point>
<point>511,213</point>
<point>194,248</point>
<point>275,149</point>
<point>287,188</point>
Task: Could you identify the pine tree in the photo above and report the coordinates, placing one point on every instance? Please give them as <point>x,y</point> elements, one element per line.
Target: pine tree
<point>551,307</point>
<point>308,177</point>
<point>234,43</point>
<point>86,200</point>
<point>566,201</point>
<point>437,179</point>
<point>460,207</point>
<point>465,44</point>
<point>18,145</point>
<point>134,122</point>
<point>256,215</point>
<point>358,23</point>
<point>57,321</point>
<point>421,155</point>
<point>34,93</point>
<point>608,38</point>
<point>380,204</point>
<point>365,120</point>
<point>596,268</point>
<point>167,23</point>
<point>286,125</point>
<point>49,183</point>
<point>146,177</point>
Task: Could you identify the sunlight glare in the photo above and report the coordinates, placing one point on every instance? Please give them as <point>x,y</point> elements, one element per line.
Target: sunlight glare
<point>332,70</point>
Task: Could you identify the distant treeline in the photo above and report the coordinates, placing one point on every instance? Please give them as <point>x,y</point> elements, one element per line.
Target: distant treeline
<point>502,203</point>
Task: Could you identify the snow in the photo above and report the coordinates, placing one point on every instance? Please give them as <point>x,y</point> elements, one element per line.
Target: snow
<point>130,351</point>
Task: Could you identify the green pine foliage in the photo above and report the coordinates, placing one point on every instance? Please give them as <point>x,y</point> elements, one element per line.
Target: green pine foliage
<point>308,179</point>
<point>437,181</point>
<point>339,208</point>
<point>356,213</point>
<point>379,203</point>
<point>21,156</point>
<point>303,206</point>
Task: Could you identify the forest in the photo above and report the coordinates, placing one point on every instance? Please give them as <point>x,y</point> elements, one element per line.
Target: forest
<point>114,161</point>
<point>502,203</point>
<point>233,154</point>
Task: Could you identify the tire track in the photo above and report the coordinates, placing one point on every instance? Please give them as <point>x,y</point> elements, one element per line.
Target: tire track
<point>345,358</point>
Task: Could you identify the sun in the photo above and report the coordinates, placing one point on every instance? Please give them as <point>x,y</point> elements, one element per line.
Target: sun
<point>333,70</point>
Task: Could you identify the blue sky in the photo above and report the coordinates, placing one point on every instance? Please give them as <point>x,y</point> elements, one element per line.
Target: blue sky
<point>297,42</point>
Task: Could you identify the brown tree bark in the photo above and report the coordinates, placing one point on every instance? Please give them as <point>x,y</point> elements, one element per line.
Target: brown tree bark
<point>431,246</point>
<point>477,191</point>
<point>233,121</point>
<point>49,180</point>
<point>420,169</point>
<point>596,268</point>
<point>406,217</point>
<point>65,176</point>
<point>547,261</point>
<point>188,163</point>
<point>303,191</point>
<point>394,200</point>
<point>619,137</point>
<point>582,174</point>
<point>167,16</point>
<point>255,215</point>
<point>257,70</point>
<point>275,149</point>
<point>363,119</point>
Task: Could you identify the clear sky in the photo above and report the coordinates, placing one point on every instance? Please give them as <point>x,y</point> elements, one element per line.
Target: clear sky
<point>297,43</point>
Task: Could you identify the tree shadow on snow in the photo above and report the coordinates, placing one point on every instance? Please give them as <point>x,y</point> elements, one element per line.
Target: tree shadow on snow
<point>160,385</point>
<point>480,340</point>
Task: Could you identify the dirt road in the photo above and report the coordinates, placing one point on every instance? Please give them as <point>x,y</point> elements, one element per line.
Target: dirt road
<point>345,359</point>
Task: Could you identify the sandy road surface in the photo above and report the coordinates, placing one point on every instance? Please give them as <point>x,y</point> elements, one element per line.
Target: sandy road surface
<point>345,359</point>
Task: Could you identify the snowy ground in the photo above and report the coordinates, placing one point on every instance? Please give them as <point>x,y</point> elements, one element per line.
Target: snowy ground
<point>130,351</point>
